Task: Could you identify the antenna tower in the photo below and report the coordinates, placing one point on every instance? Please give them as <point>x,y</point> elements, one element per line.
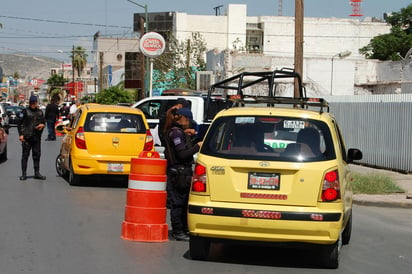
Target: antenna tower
<point>280,7</point>
<point>356,10</point>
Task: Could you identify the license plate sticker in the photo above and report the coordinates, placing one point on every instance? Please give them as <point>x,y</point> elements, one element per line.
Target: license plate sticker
<point>115,167</point>
<point>268,181</point>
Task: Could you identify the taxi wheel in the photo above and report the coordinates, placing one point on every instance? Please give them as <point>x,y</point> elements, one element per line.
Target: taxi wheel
<point>346,235</point>
<point>74,179</point>
<point>199,247</point>
<point>330,255</point>
<point>61,171</point>
<point>3,157</point>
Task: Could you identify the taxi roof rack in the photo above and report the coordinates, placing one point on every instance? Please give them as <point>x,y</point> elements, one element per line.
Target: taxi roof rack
<point>245,79</point>
<point>239,82</point>
<point>240,101</point>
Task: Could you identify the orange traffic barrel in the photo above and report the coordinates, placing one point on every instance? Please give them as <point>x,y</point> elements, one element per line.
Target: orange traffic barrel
<point>145,210</point>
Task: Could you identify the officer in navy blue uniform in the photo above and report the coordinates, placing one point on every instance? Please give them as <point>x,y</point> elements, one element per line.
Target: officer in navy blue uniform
<point>179,151</point>
<point>30,127</point>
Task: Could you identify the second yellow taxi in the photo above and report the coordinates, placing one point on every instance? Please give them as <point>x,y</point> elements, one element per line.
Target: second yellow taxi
<point>102,139</point>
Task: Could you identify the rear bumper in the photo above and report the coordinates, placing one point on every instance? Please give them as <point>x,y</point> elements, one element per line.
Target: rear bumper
<point>292,224</point>
<point>99,165</point>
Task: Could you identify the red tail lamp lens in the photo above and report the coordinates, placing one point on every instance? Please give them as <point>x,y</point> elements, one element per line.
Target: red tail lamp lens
<point>329,194</point>
<point>200,170</point>
<point>199,187</point>
<point>331,176</point>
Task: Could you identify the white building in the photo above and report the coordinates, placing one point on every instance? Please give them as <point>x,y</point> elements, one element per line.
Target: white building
<point>237,42</point>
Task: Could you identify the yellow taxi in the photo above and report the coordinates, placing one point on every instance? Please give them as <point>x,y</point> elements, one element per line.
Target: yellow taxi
<point>276,174</point>
<point>102,139</point>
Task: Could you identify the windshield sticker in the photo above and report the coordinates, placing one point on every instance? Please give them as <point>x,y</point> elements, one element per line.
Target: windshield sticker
<point>245,120</point>
<point>293,124</point>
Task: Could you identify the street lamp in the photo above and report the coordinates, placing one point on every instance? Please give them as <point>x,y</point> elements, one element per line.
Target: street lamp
<point>146,20</point>
<point>146,30</point>
<point>341,55</point>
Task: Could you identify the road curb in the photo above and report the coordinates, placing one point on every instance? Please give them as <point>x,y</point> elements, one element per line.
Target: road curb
<point>383,203</point>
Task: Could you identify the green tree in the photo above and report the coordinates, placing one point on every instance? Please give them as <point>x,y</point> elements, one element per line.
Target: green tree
<point>79,59</point>
<point>182,59</point>
<point>56,80</point>
<point>56,83</point>
<point>114,95</point>
<point>393,45</point>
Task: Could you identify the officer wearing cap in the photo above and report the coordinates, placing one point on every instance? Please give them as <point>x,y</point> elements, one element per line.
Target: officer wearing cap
<point>167,119</point>
<point>30,128</point>
<point>179,151</point>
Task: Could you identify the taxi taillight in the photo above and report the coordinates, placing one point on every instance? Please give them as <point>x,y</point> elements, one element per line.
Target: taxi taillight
<point>80,139</point>
<point>331,187</point>
<point>199,179</point>
<point>148,145</point>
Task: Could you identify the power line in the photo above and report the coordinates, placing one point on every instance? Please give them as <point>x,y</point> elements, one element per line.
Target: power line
<point>62,22</point>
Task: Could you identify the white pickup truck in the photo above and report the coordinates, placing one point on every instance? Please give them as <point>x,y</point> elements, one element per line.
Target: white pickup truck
<point>153,107</point>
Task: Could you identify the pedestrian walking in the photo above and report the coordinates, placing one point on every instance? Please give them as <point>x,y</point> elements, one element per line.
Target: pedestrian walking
<point>179,151</point>
<point>51,115</point>
<point>30,128</point>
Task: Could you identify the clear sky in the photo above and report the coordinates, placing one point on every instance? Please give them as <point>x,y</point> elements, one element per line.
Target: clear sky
<point>47,27</point>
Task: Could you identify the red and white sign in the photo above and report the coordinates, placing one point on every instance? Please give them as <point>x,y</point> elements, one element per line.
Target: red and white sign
<point>152,44</point>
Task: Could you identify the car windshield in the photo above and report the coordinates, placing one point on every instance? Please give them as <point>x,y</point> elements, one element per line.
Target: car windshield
<point>15,109</point>
<point>114,122</point>
<point>269,138</point>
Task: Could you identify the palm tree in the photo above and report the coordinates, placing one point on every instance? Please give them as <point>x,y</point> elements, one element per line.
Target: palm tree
<point>79,59</point>
<point>56,83</point>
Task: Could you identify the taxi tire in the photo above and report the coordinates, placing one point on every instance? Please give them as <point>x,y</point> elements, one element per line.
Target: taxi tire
<point>347,232</point>
<point>330,255</point>
<point>74,179</point>
<point>61,171</point>
<point>199,247</point>
<point>3,157</point>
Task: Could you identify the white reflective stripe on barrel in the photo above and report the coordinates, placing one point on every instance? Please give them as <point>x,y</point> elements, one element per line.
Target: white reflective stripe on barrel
<point>147,185</point>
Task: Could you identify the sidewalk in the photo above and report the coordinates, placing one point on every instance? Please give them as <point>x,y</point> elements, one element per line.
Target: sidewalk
<point>403,200</point>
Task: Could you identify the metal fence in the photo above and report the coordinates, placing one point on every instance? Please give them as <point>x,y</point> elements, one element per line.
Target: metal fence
<point>379,125</point>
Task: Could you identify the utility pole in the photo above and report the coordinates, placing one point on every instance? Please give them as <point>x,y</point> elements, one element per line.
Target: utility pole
<point>74,87</point>
<point>298,44</point>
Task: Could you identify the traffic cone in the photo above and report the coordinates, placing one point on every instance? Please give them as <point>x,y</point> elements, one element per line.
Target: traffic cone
<point>145,211</point>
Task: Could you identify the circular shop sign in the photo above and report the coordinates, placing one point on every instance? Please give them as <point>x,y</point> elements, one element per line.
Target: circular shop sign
<point>152,44</point>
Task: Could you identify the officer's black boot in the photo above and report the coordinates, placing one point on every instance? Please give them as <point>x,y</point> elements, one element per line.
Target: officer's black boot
<point>180,236</point>
<point>38,176</point>
<point>23,176</point>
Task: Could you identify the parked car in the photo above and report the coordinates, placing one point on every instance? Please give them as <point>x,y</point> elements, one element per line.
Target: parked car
<point>4,118</point>
<point>102,139</point>
<point>273,173</point>
<point>13,114</point>
<point>3,144</point>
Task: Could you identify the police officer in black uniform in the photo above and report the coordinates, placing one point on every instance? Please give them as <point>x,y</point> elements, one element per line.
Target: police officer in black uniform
<point>179,151</point>
<point>30,127</point>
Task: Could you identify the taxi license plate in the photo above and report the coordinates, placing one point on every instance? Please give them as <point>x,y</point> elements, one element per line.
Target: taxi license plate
<point>115,167</point>
<point>267,181</point>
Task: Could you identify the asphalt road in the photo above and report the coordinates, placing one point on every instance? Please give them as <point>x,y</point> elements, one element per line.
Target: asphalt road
<point>52,227</point>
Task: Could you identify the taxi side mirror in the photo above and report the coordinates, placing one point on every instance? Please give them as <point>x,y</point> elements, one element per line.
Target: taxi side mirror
<point>62,129</point>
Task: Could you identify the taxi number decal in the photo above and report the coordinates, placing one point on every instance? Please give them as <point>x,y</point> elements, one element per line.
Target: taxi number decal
<point>244,120</point>
<point>293,124</point>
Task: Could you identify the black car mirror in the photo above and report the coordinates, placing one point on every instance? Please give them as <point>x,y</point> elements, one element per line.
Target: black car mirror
<point>354,154</point>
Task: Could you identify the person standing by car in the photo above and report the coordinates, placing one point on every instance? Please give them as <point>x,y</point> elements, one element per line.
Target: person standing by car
<point>51,115</point>
<point>30,128</point>
<point>73,108</point>
<point>167,118</point>
<point>179,152</point>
